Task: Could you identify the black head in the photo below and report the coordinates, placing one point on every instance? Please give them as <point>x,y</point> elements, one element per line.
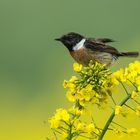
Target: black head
<point>70,40</point>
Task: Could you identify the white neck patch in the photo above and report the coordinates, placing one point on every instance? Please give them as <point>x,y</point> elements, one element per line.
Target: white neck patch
<point>79,45</point>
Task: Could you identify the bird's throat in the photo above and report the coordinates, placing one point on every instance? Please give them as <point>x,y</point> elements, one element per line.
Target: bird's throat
<point>79,45</point>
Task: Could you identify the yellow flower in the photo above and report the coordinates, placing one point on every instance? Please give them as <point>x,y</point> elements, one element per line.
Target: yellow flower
<point>81,126</point>
<point>89,87</point>
<point>138,111</point>
<point>57,116</point>
<point>77,67</point>
<point>135,66</point>
<point>82,103</point>
<point>90,128</point>
<point>63,114</point>
<point>73,78</point>
<point>86,94</point>
<point>54,122</point>
<point>76,111</point>
<point>125,112</point>
<point>130,76</point>
<point>132,131</point>
<point>119,75</point>
<point>68,84</point>
<point>71,95</point>
<point>134,95</point>
<point>118,109</point>
<point>113,80</point>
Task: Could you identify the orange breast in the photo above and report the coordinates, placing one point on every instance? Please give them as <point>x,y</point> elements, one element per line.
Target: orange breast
<point>81,56</point>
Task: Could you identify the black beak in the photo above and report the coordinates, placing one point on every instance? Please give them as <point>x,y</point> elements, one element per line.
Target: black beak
<point>57,39</point>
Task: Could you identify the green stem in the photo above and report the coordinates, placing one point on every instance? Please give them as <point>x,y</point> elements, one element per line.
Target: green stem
<point>113,99</point>
<point>119,125</point>
<point>124,88</point>
<point>130,107</point>
<point>112,117</point>
<point>70,135</point>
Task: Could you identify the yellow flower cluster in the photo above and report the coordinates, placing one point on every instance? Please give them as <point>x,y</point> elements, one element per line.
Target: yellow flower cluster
<point>63,115</point>
<point>90,129</point>
<point>129,75</point>
<point>76,112</point>
<point>65,120</point>
<point>93,85</point>
<point>60,115</point>
<point>126,111</point>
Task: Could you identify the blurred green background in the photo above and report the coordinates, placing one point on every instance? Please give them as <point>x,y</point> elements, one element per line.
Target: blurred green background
<point>33,66</point>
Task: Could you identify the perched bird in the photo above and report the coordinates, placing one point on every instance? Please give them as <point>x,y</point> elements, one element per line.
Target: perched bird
<point>84,49</point>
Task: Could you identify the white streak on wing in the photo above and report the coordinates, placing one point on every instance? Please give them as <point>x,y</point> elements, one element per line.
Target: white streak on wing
<point>79,45</point>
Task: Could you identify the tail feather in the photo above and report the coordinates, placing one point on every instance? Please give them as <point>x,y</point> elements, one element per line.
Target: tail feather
<point>129,54</point>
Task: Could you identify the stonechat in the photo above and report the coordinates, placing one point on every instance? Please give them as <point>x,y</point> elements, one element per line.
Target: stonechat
<point>84,49</point>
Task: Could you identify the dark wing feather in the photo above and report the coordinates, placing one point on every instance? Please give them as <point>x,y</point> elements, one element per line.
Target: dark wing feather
<point>100,47</point>
<point>105,40</point>
<point>102,40</point>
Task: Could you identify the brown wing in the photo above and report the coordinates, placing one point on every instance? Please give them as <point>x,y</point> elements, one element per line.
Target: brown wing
<point>99,46</point>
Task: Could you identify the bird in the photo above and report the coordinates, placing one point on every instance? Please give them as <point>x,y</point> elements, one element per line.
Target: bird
<point>84,49</point>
